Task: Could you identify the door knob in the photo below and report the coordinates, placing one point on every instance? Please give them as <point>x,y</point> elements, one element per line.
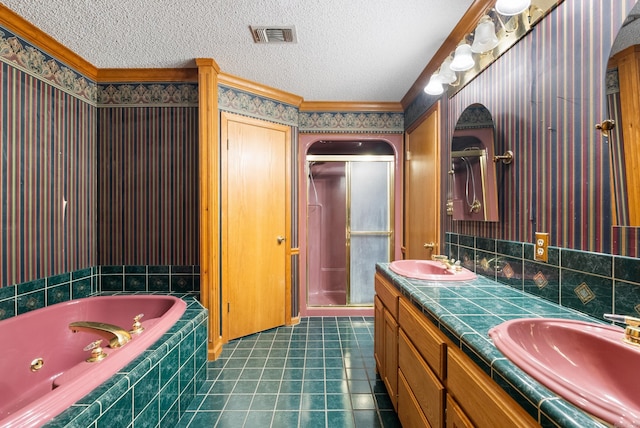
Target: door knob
<point>280,239</point>
<point>430,246</point>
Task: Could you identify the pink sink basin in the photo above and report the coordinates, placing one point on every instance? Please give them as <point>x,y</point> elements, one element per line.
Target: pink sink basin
<point>587,364</point>
<point>430,270</point>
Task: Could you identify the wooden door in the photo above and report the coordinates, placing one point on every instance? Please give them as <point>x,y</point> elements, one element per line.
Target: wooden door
<point>255,224</point>
<point>422,187</point>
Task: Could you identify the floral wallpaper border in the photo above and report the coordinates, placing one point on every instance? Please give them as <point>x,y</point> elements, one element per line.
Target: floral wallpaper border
<point>352,122</point>
<point>20,54</point>
<point>148,94</point>
<point>241,102</point>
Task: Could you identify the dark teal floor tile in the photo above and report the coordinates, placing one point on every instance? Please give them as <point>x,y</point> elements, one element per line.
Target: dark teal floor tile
<point>362,401</point>
<point>312,419</point>
<point>390,419</point>
<point>285,419</point>
<point>340,419</point>
<point>258,418</point>
<point>367,419</point>
<point>338,402</point>
<point>316,374</point>
<point>288,402</point>
<point>204,420</point>
<point>231,419</point>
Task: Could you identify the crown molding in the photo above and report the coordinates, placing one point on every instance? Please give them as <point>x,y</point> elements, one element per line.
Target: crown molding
<point>20,26</point>
<point>465,26</point>
<point>259,89</point>
<point>350,106</point>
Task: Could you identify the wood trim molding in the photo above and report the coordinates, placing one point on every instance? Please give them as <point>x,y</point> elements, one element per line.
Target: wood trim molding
<point>350,106</point>
<point>112,75</point>
<point>465,26</point>
<point>209,206</point>
<point>259,89</point>
<point>17,24</point>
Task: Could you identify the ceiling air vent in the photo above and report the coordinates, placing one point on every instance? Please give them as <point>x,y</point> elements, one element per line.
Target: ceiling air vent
<point>272,34</point>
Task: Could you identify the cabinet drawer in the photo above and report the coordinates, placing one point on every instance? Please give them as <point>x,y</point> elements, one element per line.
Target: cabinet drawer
<point>426,387</point>
<point>408,409</point>
<point>388,294</point>
<point>483,401</point>
<point>455,416</point>
<point>429,341</point>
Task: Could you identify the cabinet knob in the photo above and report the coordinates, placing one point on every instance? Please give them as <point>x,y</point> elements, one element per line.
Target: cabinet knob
<point>280,239</point>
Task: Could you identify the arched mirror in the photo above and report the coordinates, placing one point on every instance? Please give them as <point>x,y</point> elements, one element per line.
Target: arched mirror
<point>623,97</point>
<point>472,192</point>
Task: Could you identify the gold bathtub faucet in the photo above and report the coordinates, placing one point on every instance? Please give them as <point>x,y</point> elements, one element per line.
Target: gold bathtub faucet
<point>117,336</point>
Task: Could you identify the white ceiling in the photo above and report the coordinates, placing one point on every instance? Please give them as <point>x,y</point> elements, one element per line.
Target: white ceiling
<point>347,50</point>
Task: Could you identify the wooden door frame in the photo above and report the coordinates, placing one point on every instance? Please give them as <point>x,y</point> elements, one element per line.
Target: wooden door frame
<point>225,117</point>
<point>208,165</point>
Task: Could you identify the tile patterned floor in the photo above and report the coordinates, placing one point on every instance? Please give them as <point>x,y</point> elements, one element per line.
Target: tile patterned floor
<point>319,373</point>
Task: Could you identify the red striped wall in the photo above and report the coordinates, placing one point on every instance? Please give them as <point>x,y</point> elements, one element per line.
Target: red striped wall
<point>148,185</point>
<point>47,179</point>
<point>546,94</point>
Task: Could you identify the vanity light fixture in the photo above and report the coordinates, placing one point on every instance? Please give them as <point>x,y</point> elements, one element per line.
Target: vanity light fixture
<point>447,75</point>
<point>512,7</point>
<point>434,87</point>
<point>462,59</point>
<point>484,39</point>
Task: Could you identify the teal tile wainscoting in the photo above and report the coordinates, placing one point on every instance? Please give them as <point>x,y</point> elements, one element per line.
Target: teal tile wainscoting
<point>591,283</point>
<point>20,298</point>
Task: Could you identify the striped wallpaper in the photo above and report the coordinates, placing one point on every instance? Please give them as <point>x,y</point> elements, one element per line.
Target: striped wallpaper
<point>47,179</point>
<point>148,185</point>
<point>546,94</point>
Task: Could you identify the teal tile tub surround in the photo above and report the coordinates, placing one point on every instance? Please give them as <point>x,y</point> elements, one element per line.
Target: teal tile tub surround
<point>466,311</point>
<point>179,357</point>
<point>156,388</point>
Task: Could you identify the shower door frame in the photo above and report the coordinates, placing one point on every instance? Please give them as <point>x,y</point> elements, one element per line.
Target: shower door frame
<point>390,233</point>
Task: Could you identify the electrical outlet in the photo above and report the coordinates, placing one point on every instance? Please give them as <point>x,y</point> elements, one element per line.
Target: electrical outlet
<point>541,252</point>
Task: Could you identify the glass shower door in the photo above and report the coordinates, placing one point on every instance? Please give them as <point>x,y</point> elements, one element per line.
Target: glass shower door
<point>369,225</point>
<point>349,227</point>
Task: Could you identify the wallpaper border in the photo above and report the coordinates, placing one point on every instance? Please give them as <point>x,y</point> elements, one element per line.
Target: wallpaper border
<point>22,55</point>
<point>248,104</point>
<point>352,122</point>
<point>148,94</point>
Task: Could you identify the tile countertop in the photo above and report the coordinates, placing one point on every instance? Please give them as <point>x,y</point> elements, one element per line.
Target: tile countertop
<point>465,311</point>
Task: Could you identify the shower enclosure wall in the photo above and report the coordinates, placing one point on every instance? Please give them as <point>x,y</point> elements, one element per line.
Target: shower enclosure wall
<point>349,226</point>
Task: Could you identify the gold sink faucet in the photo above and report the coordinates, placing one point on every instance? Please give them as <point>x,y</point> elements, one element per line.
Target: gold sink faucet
<point>116,336</point>
<point>632,331</point>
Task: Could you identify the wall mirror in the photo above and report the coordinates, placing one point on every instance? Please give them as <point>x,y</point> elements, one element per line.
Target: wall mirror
<point>471,185</point>
<point>623,86</point>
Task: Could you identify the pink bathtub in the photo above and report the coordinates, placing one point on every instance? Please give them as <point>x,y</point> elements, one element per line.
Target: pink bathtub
<point>31,396</point>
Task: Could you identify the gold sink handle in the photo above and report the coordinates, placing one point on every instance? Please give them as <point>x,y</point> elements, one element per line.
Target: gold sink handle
<point>137,327</point>
<point>97,354</point>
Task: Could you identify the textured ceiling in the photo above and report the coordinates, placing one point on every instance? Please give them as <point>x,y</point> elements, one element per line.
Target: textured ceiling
<point>358,50</point>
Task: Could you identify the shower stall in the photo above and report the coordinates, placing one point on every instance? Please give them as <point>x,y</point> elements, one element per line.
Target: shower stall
<point>349,226</point>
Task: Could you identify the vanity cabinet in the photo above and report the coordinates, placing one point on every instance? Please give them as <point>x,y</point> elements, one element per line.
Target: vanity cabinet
<point>483,402</point>
<point>386,336</point>
<point>436,384</point>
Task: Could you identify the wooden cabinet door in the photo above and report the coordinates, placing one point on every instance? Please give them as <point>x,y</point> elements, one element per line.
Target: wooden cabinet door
<point>255,224</point>
<point>422,188</point>
<point>391,357</point>
<point>378,335</point>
